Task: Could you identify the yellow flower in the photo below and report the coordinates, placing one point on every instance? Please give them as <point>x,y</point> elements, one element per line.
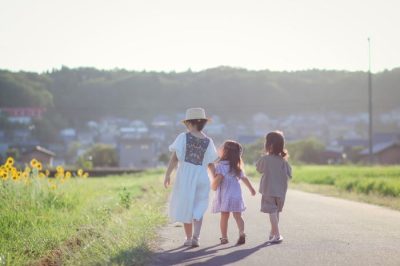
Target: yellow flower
<point>60,169</point>
<point>42,175</point>
<point>10,161</point>
<point>85,175</point>
<point>53,186</point>
<point>33,163</point>
<point>80,172</point>
<point>4,176</point>
<point>68,174</point>
<point>14,174</point>
<point>39,166</point>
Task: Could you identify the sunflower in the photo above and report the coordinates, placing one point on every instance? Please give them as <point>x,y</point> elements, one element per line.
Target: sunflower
<point>80,172</point>
<point>33,163</point>
<point>86,175</point>
<point>39,166</point>
<point>10,161</point>
<point>68,174</point>
<point>4,176</point>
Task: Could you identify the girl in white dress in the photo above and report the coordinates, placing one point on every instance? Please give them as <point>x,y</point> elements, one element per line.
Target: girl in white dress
<point>194,153</point>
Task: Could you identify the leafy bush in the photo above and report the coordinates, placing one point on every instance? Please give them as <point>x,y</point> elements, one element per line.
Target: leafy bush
<point>307,151</point>
<point>101,155</point>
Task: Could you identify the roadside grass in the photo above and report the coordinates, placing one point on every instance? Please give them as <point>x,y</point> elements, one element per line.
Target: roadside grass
<point>372,184</point>
<point>96,221</point>
<point>327,190</point>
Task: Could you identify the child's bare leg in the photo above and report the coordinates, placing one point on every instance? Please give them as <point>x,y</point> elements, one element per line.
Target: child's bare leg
<point>224,224</point>
<point>197,227</point>
<point>273,217</point>
<point>188,230</point>
<point>239,222</point>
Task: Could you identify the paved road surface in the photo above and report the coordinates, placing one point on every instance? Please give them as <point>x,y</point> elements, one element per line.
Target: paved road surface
<point>318,230</point>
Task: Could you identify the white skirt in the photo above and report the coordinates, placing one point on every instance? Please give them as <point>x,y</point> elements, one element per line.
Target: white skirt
<point>190,194</point>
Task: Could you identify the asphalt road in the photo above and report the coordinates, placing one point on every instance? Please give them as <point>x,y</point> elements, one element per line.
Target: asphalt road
<point>318,230</point>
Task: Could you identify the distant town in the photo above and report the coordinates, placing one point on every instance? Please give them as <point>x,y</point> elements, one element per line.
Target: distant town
<point>144,144</point>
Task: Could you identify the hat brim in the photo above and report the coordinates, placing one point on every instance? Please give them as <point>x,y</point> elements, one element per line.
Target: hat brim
<point>208,119</point>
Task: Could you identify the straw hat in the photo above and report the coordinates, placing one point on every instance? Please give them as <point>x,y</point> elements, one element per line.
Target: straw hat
<point>196,113</point>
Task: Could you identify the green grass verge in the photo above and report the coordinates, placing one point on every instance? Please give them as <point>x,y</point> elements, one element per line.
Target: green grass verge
<point>379,180</point>
<point>377,184</point>
<point>93,221</point>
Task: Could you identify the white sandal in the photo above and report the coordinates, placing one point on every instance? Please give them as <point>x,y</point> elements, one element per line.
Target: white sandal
<point>188,243</point>
<point>276,239</point>
<point>195,242</point>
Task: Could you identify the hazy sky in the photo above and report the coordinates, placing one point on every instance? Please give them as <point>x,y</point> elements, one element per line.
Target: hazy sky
<point>167,35</point>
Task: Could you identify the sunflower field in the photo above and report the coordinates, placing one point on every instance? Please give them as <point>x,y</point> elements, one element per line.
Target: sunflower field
<point>61,217</point>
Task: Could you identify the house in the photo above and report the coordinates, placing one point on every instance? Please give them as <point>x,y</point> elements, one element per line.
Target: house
<point>350,143</point>
<point>136,152</point>
<point>383,153</point>
<point>23,115</point>
<point>39,153</point>
<point>386,137</point>
<point>68,135</point>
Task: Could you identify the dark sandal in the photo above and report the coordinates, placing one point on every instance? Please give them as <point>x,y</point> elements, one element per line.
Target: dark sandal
<point>241,240</point>
<point>224,240</point>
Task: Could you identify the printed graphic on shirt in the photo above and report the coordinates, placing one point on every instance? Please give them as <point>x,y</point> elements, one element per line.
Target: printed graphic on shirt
<point>195,149</point>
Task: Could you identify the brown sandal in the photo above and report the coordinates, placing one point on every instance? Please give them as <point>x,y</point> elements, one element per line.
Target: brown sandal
<point>241,240</point>
<point>224,240</point>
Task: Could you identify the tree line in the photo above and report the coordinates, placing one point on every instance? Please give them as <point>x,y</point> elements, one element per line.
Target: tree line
<point>80,94</point>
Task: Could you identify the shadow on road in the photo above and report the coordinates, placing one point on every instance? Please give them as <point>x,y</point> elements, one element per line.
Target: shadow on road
<point>204,256</point>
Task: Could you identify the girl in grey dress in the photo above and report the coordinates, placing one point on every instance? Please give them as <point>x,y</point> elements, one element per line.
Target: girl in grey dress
<point>276,172</point>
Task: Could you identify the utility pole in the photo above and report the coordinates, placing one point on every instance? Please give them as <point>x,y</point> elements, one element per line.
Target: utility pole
<point>370,141</point>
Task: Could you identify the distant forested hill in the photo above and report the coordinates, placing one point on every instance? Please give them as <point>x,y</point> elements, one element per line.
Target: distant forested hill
<point>88,93</point>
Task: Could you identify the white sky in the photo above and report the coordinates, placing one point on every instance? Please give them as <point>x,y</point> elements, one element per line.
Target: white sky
<point>39,35</point>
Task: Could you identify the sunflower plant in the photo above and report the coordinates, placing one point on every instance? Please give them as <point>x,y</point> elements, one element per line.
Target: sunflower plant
<point>34,173</point>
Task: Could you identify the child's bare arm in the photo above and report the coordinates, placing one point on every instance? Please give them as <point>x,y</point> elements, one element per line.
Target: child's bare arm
<point>173,162</point>
<point>215,178</point>
<point>248,184</point>
<point>211,168</point>
<point>216,181</point>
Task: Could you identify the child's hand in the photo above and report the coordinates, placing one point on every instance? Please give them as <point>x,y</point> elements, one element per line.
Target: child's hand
<point>167,181</point>
<point>253,191</point>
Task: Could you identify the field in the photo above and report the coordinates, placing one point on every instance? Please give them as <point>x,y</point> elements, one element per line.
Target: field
<point>377,184</point>
<point>93,221</point>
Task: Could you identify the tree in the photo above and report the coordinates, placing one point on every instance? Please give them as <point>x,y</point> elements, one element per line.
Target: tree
<point>252,152</point>
<point>306,151</point>
<point>102,155</point>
